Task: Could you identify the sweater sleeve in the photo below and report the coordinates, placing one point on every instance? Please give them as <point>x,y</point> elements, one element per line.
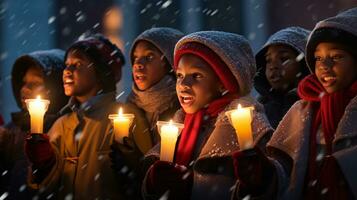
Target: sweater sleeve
<point>51,181</point>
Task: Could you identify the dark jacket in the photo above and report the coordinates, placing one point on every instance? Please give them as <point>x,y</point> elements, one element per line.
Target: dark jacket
<point>276,104</point>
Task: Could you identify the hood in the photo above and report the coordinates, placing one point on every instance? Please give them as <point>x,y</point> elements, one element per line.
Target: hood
<point>163,38</point>
<point>52,64</point>
<point>233,49</point>
<point>293,37</point>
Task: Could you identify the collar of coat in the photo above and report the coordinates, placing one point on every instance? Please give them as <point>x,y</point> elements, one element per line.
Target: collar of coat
<point>89,107</point>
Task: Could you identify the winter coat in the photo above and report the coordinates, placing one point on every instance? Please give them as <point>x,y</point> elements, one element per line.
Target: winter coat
<point>292,136</point>
<point>159,102</point>
<point>81,140</point>
<point>276,104</point>
<point>12,137</point>
<point>212,165</point>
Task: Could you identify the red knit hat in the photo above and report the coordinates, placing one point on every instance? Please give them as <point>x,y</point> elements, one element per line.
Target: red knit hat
<point>216,63</point>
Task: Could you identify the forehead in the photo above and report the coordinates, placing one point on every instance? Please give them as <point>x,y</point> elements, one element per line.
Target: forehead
<point>279,48</point>
<point>143,45</point>
<point>195,63</point>
<point>330,46</point>
<point>77,54</point>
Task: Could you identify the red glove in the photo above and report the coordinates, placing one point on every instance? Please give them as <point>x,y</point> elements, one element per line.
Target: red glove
<point>1,121</point>
<point>253,169</point>
<point>38,150</point>
<point>163,176</point>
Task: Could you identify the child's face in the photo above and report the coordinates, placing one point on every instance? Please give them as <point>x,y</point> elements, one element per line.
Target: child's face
<point>33,85</point>
<point>79,77</point>
<point>149,65</point>
<point>335,67</point>
<point>282,69</point>
<point>197,84</point>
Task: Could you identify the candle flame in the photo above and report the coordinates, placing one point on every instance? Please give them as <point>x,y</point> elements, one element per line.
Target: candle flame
<point>120,111</point>
<point>38,97</point>
<point>239,107</point>
<point>170,122</point>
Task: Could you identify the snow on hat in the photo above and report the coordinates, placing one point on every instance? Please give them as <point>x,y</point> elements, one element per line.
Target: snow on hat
<point>163,38</point>
<point>231,49</point>
<point>341,28</point>
<point>294,37</point>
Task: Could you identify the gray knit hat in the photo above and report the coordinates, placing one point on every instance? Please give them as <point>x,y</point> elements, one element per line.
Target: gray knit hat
<point>163,38</point>
<point>341,28</point>
<point>294,37</point>
<point>233,49</point>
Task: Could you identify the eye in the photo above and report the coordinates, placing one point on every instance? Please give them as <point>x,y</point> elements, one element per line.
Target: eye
<point>337,57</point>
<point>318,58</point>
<point>197,76</point>
<point>179,76</point>
<point>149,57</point>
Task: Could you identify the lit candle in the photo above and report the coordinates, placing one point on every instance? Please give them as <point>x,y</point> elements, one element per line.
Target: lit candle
<point>241,119</point>
<point>169,131</point>
<point>37,109</point>
<point>121,124</point>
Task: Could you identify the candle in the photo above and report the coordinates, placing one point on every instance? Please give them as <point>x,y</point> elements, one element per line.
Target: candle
<point>241,120</point>
<point>37,109</point>
<point>169,131</point>
<point>121,124</point>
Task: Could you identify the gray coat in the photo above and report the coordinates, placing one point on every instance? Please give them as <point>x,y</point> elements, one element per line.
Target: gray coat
<point>292,137</point>
<point>213,167</point>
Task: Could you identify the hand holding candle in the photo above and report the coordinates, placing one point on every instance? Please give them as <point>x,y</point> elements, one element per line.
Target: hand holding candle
<point>37,109</point>
<point>169,131</point>
<point>241,120</point>
<point>121,123</point>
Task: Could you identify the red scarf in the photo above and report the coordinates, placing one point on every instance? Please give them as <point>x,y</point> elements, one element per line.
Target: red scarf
<point>328,111</point>
<point>193,122</point>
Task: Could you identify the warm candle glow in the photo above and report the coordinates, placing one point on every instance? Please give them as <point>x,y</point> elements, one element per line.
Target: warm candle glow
<point>37,109</point>
<point>241,120</point>
<point>169,131</point>
<point>121,125</point>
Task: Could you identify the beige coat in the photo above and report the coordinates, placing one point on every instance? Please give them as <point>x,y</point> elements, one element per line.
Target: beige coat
<point>82,167</point>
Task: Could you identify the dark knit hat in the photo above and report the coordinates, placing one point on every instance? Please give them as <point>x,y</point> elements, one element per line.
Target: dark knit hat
<point>294,37</point>
<point>216,63</point>
<point>341,28</point>
<point>232,49</point>
<point>107,58</point>
<point>163,38</point>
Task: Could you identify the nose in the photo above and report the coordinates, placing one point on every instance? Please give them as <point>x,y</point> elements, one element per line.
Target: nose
<point>139,64</point>
<point>326,64</point>
<point>68,70</point>
<point>186,82</point>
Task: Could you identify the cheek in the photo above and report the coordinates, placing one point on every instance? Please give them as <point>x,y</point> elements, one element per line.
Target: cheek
<point>206,92</point>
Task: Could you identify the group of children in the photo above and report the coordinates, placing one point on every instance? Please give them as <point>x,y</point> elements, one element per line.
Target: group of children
<point>303,149</point>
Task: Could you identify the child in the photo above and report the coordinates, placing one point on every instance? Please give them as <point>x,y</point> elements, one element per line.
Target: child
<point>36,73</point>
<point>153,90</point>
<point>73,160</point>
<point>312,154</point>
<point>214,73</point>
<point>281,65</point>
